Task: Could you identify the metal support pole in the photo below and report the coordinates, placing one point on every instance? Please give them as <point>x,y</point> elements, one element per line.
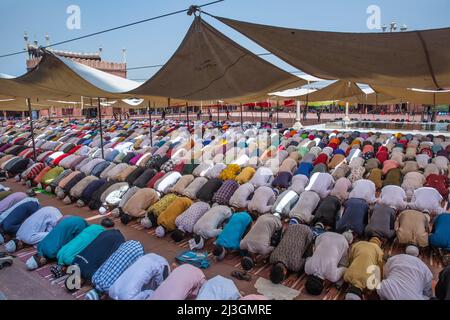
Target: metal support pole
<point>278,107</point>
<point>261,113</point>
<point>218,114</point>
<point>99,111</point>
<point>32,128</point>
<point>150,123</point>
<point>376,104</point>
<point>168,104</point>
<point>253,114</point>
<point>201,110</point>
<point>187,117</point>
<point>433,114</point>
<point>242,119</point>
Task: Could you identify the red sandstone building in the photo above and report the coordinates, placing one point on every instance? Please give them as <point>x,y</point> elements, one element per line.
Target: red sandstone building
<point>93,60</point>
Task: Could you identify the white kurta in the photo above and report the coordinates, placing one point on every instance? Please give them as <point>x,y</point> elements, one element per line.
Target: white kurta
<point>364,189</point>
<point>219,288</point>
<point>263,177</point>
<point>321,183</point>
<point>406,278</point>
<point>147,272</point>
<point>167,182</point>
<point>284,203</point>
<point>36,227</point>
<point>394,197</point>
<point>427,199</point>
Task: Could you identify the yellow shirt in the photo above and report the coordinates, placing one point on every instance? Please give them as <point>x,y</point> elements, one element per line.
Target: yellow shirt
<point>162,204</point>
<point>230,172</point>
<point>176,208</point>
<point>246,175</point>
<point>363,255</point>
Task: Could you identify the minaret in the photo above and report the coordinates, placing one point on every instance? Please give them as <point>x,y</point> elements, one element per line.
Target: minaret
<point>25,38</point>
<point>47,40</point>
<point>124,55</point>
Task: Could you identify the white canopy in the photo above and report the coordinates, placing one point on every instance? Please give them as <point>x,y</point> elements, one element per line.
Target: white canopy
<point>292,93</point>
<point>60,78</point>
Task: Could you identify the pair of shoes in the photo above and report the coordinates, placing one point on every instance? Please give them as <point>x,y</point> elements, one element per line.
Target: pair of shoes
<point>57,271</point>
<point>247,263</point>
<point>6,261</point>
<point>6,254</point>
<point>199,242</point>
<point>446,260</point>
<point>107,223</point>
<point>92,295</point>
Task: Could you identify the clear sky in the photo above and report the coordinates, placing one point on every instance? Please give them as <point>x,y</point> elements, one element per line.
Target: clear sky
<point>154,42</point>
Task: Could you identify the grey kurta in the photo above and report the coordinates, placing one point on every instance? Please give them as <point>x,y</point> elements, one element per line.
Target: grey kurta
<point>381,222</point>
<point>258,239</point>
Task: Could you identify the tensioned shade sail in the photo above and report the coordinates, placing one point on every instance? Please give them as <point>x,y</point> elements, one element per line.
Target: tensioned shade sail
<point>210,66</point>
<point>134,103</point>
<point>19,105</point>
<point>373,98</point>
<point>417,59</point>
<point>60,78</point>
<point>155,102</point>
<point>290,93</point>
<point>335,91</point>
<point>414,96</point>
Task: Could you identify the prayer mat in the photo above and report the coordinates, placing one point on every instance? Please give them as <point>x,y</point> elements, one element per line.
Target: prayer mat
<point>275,291</point>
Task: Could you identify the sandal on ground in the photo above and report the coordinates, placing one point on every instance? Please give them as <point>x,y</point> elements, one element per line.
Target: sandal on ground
<point>247,263</point>
<point>446,260</point>
<point>57,271</point>
<point>6,261</point>
<point>6,254</point>
<point>241,275</point>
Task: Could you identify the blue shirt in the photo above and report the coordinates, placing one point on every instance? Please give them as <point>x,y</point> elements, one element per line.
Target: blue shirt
<point>305,169</point>
<point>355,216</point>
<point>440,236</point>
<point>231,236</point>
<point>65,231</point>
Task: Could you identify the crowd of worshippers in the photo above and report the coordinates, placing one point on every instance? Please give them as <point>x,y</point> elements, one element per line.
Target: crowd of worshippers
<point>328,210</point>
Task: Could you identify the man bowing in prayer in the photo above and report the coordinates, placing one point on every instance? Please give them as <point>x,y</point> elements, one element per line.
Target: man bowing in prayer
<point>34,229</point>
